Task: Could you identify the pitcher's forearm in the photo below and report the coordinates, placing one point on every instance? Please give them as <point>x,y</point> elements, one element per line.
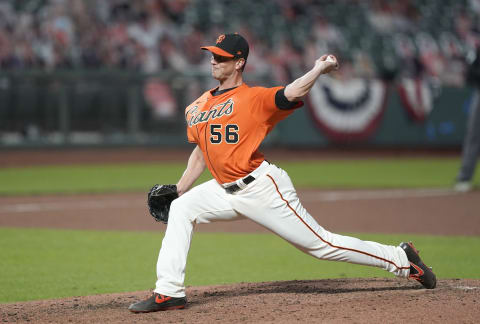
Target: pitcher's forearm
<point>299,88</point>
<point>195,167</point>
<point>296,90</point>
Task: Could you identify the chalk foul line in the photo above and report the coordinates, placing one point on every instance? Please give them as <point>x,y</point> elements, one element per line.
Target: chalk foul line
<point>332,196</point>
<point>69,205</point>
<point>309,196</point>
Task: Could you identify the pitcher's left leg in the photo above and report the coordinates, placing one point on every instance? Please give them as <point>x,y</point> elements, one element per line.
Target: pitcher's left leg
<point>204,203</point>
<point>279,209</point>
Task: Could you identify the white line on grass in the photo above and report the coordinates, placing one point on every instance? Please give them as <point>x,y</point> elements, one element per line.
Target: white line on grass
<point>68,205</point>
<point>374,194</point>
<point>309,196</point>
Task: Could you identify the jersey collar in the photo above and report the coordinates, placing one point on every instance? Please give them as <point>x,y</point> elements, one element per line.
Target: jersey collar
<point>232,91</point>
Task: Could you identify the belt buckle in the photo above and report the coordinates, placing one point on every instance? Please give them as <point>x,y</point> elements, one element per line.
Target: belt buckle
<point>232,189</point>
<point>235,187</point>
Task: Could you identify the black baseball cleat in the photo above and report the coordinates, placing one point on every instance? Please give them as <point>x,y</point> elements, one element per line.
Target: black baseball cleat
<point>418,270</point>
<point>158,303</point>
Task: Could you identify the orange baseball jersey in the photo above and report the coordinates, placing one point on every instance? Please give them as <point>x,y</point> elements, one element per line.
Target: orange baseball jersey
<point>230,127</point>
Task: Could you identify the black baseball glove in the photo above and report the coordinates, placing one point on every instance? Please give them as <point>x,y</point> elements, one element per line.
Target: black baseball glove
<point>159,199</point>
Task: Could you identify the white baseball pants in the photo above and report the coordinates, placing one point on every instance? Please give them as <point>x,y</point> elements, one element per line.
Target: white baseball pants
<point>271,201</point>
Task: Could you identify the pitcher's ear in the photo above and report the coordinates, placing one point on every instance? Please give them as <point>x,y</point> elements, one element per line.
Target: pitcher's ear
<point>239,64</point>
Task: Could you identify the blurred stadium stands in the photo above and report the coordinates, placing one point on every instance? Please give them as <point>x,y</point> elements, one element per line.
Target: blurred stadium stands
<point>128,67</point>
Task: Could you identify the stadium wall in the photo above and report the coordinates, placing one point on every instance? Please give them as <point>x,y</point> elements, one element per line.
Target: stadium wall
<point>115,108</point>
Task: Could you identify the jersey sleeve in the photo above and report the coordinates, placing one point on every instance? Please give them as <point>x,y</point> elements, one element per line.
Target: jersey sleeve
<point>190,137</point>
<point>190,129</point>
<point>265,107</point>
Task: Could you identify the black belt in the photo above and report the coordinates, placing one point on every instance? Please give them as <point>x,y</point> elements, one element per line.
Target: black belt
<point>234,188</point>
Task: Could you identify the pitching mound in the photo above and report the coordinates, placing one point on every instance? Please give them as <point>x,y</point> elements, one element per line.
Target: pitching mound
<point>337,300</point>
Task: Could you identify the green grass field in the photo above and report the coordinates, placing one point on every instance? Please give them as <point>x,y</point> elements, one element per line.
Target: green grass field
<point>378,173</point>
<point>41,263</point>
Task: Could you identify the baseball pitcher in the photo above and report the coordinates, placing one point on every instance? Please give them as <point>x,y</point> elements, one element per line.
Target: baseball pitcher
<point>228,124</point>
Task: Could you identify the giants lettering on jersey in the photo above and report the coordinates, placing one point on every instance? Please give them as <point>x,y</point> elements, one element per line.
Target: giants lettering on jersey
<point>217,111</point>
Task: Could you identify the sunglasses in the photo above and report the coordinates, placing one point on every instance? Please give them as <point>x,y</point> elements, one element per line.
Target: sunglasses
<point>222,59</point>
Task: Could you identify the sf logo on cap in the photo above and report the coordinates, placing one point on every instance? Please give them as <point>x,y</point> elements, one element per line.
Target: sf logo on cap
<point>220,39</point>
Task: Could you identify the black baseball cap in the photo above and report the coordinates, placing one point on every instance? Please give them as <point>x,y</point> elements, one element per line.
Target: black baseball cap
<point>230,45</point>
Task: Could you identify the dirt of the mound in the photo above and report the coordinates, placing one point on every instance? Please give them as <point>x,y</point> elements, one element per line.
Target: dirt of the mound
<point>319,301</point>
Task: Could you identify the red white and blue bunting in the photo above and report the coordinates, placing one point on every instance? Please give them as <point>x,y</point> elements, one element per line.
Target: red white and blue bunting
<point>349,110</point>
<point>417,98</point>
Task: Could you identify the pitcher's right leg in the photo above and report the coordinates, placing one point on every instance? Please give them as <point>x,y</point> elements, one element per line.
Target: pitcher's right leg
<point>272,202</point>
